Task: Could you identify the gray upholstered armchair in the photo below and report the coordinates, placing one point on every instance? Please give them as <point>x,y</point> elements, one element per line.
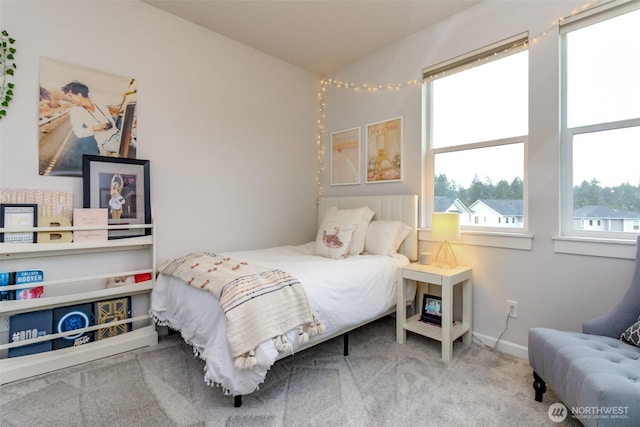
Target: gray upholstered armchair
<point>595,373</point>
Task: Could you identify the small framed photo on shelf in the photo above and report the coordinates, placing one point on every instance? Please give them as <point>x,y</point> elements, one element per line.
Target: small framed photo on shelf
<point>431,310</point>
<point>120,185</point>
<point>18,215</point>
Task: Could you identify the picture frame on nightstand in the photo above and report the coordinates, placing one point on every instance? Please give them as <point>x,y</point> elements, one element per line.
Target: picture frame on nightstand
<point>431,311</point>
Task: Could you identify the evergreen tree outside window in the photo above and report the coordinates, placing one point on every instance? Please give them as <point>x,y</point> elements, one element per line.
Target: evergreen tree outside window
<point>476,131</point>
<point>600,194</point>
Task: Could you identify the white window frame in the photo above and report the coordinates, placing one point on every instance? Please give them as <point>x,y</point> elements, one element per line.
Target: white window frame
<point>567,231</point>
<point>515,238</point>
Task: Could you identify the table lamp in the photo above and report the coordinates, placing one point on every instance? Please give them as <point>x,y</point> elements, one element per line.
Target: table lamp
<point>445,226</point>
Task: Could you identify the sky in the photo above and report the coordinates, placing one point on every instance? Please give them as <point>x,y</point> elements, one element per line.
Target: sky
<point>604,86</point>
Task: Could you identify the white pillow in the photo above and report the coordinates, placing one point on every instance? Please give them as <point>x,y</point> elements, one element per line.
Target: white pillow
<point>385,237</point>
<point>360,216</point>
<point>335,240</point>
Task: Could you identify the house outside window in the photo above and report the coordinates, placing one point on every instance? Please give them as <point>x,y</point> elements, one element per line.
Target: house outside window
<point>600,195</point>
<point>476,132</point>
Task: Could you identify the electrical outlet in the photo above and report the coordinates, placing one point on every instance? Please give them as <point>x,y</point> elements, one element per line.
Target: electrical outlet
<point>512,307</point>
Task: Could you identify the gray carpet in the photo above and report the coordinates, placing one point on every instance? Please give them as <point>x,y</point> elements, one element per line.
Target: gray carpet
<point>381,383</point>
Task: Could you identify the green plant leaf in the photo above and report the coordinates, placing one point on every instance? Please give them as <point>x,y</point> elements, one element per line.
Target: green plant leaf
<point>7,67</point>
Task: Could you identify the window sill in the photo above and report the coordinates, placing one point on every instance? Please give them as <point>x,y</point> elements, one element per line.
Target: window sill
<point>610,248</point>
<point>521,241</point>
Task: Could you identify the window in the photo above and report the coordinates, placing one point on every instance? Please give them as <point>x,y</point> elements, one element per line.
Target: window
<point>601,124</point>
<point>476,127</point>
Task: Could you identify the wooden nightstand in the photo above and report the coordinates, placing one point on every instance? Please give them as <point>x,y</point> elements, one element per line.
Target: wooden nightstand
<point>446,278</point>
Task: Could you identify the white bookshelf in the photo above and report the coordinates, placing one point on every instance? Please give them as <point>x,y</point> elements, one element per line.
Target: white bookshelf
<point>71,288</point>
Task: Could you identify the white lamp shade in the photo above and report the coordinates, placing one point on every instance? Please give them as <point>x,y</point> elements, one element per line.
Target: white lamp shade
<point>445,226</point>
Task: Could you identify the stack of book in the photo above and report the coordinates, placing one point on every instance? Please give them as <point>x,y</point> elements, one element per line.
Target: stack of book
<point>40,323</point>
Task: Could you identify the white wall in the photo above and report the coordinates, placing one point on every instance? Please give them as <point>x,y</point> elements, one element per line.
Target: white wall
<point>553,290</point>
<point>229,131</point>
<point>230,135</point>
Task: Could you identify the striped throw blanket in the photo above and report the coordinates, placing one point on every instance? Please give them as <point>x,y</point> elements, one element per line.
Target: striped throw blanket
<point>259,303</point>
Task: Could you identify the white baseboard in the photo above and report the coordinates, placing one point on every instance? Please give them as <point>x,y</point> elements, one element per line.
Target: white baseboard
<point>503,346</point>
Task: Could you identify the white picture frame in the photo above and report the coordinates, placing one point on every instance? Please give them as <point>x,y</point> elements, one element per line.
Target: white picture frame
<point>345,156</point>
<point>384,151</point>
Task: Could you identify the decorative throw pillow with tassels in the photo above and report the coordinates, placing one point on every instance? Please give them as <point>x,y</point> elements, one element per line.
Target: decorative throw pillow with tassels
<point>632,334</point>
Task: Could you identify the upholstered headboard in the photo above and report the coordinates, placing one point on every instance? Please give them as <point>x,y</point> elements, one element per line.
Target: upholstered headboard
<point>402,208</point>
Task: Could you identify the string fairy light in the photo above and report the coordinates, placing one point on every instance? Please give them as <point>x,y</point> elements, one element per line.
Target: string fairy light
<point>365,87</point>
<point>319,136</point>
<point>395,87</point>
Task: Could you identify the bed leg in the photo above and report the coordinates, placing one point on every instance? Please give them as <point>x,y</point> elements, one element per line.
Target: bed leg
<point>538,386</point>
<point>237,401</point>
<point>346,344</point>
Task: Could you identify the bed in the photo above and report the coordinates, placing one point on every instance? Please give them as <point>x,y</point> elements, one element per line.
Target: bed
<point>343,286</point>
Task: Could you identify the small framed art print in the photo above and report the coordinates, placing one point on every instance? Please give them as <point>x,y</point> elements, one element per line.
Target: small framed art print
<point>345,157</point>
<point>21,216</point>
<point>384,151</point>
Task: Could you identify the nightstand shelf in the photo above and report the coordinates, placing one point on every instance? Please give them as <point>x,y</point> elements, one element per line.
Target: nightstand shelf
<point>413,324</point>
<point>446,279</point>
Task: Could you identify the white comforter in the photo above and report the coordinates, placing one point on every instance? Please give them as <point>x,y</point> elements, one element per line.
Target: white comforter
<point>344,292</point>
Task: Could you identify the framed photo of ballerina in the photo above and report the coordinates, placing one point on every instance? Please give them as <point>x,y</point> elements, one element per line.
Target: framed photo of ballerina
<point>121,186</point>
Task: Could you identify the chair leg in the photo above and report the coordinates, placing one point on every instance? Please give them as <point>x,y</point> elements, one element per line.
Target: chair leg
<point>538,386</point>
<point>237,401</point>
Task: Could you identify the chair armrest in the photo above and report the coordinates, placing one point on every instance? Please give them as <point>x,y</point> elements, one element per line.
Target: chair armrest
<point>612,324</point>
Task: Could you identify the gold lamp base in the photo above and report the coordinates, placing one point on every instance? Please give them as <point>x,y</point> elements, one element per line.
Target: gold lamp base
<point>445,257</point>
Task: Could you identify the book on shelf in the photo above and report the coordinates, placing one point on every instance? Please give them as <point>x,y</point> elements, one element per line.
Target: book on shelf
<point>8,278</point>
<point>90,217</point>
<point>117,281</point>
<point>50,203</point>
<point>70,318</point>
<point>109,311</point>
<point>31,325</point>
<point>29,276</point>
